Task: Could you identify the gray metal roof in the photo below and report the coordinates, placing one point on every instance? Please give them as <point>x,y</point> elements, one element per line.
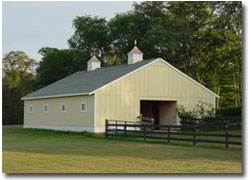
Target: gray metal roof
<point>84,82</point>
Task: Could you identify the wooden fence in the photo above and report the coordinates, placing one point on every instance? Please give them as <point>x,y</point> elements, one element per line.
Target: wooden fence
<point>210,121</point>
<point>133,129</point>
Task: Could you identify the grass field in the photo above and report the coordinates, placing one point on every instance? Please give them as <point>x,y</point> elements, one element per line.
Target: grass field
<point>42,151</point>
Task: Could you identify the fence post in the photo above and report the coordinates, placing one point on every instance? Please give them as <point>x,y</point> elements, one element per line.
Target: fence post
<point>194,135</point>
<point>168,134</point>
<point>116,127</point>
<point>226,136</point>
<point>144,136</point>
<point>125,129</point>
<point>106,128</point>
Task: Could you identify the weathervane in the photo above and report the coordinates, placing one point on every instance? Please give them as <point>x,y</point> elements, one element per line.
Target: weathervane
<point>135,42</point>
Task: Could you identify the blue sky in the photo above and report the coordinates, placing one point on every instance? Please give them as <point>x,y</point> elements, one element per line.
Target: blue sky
<point>29,26</point>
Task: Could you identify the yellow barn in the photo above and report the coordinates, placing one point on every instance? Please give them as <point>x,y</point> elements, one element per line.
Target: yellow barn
<point>83,100</point>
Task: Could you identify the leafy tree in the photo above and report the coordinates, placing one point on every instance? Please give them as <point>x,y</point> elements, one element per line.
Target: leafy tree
<point>121,35</point>
<point>202,39</point>
<point>57,64</point>
<point>18,80</point>
<point>231,18</point>
<point>138,24</point>
<point>91,36</point>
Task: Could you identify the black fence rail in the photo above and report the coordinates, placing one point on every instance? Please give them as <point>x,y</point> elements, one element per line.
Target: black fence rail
<point>134,129</point>
<point>232,121</point>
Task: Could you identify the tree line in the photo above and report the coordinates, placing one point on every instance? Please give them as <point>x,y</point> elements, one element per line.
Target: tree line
<point>202,39</point>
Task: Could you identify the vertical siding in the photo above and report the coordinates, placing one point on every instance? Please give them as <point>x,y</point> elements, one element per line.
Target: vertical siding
<point>121,99</point>
<point>72,117</point>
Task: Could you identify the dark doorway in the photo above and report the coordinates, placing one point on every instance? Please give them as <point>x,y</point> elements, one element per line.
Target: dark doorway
<point>150,109</point>
<point>163,112</point>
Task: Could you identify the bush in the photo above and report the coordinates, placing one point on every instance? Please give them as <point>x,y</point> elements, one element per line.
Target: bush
<point>232,114</point>
<point>232,111</point>
<point>202,110</point>
<point>203,114</point>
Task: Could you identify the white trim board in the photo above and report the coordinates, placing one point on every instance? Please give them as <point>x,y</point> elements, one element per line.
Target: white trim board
<point>95,110</point>
<point>182,73</point>
<point>61,128</point>
<point>214,105</point>
<point>55,96</point>
<point>99,129</point>
<point>123,76</point>
<point>158,59</point>
<point>90,93</point>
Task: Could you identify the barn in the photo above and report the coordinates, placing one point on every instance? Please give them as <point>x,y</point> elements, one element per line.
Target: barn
<point>82,101</point>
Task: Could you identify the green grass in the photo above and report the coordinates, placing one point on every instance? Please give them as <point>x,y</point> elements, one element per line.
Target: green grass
<point>43,151</point>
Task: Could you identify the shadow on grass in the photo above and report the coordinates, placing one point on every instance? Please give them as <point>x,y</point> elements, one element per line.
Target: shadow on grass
<point>16,139</point>
<point>101,136</point>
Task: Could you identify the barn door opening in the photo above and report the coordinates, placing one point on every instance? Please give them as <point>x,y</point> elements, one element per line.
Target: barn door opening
<point>163,112</point>
<point>150,110</point>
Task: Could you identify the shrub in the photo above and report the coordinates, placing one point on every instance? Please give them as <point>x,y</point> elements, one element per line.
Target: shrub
<point>203,113</point>
<point>231,114</point>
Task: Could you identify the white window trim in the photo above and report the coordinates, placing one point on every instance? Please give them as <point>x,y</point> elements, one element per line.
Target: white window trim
<point>85,106</point>
<point>47,108</point>
<point>64,106</point>
<point>31,105</point>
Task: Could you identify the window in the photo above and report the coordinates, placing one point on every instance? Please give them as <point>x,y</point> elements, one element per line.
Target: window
<point>46,108</point>
<point>83,106</point>
<point>63,107</point>
<point>31,108</point>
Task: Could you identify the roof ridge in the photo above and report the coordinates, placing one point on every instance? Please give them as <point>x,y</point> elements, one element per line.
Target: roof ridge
<point>118,65</point>
<point>83,82</point>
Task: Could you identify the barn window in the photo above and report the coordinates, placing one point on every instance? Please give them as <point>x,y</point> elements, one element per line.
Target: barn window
<point>46,108</point>
<point>83,106</point>
<point>63,107</point>
<point>31,108</point>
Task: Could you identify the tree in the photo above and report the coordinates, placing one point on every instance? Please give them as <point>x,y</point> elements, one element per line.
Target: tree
<point>57,64</point>
<point>137,25</point>
<point>121,35</point>
<point>90,36</point>
<point>225,60</point>
<point>18,81</point>
<point>202,39</point>
<point>231,15</point>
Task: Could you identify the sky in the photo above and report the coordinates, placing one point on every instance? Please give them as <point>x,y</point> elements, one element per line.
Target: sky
<point>29,26</point>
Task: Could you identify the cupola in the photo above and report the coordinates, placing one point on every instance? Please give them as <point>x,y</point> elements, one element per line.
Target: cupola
<point>93,63</point>
<point>135,55</point>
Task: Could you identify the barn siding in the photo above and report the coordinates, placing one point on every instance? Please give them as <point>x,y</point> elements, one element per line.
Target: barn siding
<point>72,117</point>
<point>158,81</point>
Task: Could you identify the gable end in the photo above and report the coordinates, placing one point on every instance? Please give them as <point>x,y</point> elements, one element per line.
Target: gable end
<point>162,60</point>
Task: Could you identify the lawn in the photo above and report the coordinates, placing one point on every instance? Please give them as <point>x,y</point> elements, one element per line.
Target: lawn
<point>42,151</point>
